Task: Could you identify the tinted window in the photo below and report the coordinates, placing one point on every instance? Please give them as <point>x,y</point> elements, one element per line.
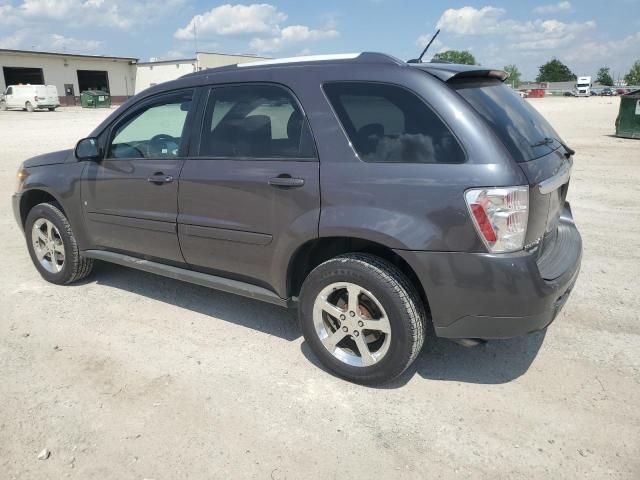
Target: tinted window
<point>156,131</point>
<point>387,123</point>
<point>9,91</point>
<point>255,121</point>
<point>525,133</point>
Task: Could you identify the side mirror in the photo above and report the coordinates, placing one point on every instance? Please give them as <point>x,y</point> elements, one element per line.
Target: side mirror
<point>88,149</point>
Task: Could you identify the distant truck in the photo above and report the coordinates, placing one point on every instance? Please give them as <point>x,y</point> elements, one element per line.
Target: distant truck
<point>583,87</point>
<point>30,97</point>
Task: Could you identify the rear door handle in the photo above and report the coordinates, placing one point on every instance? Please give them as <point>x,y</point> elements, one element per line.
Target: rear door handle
<point>286,182</point>
<point>160,178</point>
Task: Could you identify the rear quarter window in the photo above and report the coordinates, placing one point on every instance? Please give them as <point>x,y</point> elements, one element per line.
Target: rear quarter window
<point>387,123</point>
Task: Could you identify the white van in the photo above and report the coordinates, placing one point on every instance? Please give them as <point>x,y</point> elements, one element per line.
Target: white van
<point>30,97</point>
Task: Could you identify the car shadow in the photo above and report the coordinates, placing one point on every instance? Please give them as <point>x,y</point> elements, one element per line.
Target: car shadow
<point>495,362</point>
<point>490,363</point>
<point>246,312</point>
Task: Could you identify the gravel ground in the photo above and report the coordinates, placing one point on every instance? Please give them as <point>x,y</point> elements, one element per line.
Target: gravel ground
<point>132,376</point>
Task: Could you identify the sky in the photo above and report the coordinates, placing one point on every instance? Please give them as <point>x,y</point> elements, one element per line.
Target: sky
<point>585,35</point>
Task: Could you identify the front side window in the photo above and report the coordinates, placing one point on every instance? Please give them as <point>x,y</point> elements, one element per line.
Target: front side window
<point>156,131</point>
<point>387,123</point>
<point>9,91</point>
<point>255,121</point>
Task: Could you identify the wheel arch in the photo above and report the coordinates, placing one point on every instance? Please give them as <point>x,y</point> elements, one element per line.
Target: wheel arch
<point>33,197</point>
<point>316,251</point>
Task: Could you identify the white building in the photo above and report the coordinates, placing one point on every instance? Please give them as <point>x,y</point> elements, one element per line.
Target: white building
<point>151,73</point>
<point>71,74</point>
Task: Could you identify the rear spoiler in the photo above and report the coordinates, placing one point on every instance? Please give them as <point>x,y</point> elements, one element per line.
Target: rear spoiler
<point>451,71</point>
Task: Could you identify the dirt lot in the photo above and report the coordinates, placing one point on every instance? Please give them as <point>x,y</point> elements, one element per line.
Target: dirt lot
<point>132,376</point>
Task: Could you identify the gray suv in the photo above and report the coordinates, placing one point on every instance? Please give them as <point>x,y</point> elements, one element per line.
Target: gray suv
<point>384,199</point>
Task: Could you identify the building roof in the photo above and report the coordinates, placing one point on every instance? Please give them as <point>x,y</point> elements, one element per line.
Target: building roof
<point>168,62</point>
<point>58,54</point>
<point>248,55</point>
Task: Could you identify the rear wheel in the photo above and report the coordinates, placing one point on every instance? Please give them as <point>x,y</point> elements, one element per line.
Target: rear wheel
<point>52,109</point>
<point>362,318</point>
<point>29,107</point>
<point>53,247</point>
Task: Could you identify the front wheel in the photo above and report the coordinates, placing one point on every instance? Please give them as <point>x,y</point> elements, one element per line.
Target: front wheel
<point>53,247</point>
<point>362,318</point>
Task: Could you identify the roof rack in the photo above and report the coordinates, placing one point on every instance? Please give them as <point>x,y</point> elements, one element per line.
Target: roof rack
<point>364,57</point>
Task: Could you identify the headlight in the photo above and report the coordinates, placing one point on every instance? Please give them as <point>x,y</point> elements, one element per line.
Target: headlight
<point>21,177</point>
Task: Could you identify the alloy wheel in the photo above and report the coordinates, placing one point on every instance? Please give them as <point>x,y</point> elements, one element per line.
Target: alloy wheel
<point>352,324</point>
<point>48,245</point>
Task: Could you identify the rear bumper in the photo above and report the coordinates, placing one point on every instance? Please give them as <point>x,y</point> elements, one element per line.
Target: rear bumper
<point>476,295</point>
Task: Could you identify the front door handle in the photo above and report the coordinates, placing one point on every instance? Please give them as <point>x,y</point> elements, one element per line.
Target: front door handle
<point>160,178</point>
<point>286,182</point>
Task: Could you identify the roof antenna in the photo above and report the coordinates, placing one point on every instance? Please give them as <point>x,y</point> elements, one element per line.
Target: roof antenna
<point>419,59</point>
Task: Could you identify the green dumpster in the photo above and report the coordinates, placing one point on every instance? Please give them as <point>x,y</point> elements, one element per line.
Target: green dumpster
<point>628,121</point>
<point>95,99</point>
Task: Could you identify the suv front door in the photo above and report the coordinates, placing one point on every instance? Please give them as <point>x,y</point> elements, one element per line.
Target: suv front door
<point>130,198</point>
<point>251,192</point>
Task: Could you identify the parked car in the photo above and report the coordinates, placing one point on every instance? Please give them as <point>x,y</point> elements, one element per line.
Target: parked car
<point>30,97</point>
<point>568,94</point>
<point>606,92</point>
<point>380,198</point>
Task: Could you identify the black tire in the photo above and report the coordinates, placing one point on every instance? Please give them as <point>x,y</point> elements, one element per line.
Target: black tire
<point>52,109</point>
<point>29,107</point>
<point>75,267</point>
<point>397,296</point>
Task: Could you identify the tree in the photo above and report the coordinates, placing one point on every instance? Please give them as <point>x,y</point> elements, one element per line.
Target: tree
<point>604,77</point>
<point>555,71</point>
<point>633,77</point>
<point>514,75</point>
<point>456,56</point>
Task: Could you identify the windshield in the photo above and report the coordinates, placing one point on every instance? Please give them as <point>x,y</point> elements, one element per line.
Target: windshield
<point>525,133</point>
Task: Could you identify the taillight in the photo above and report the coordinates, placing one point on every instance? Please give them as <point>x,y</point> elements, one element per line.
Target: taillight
<point>500,216</point>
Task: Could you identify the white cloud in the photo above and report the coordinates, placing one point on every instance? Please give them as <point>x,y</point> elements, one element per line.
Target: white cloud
<point>553,8</point>
<point>470,21</point>
<point>27,38</point>
<point>234,20</point>
<point>263,22</point>
<point>291,35</point>
<point>122,14</point>
<point>522,35</point>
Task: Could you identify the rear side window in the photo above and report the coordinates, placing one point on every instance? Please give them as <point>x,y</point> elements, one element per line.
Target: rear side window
<point>387,123</point>
<point>255,121</point>
<point>525,133</point>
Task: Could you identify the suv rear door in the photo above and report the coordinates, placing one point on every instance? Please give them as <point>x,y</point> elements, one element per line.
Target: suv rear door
<point>250,193</point>
<point>130,198</point>
<point>543,157</point>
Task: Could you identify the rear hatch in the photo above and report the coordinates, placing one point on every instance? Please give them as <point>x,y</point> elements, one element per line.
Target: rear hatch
<point>47,95</point>
<point>546,162</point>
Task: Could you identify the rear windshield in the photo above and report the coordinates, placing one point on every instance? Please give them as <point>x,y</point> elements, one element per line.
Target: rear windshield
<point>525,133</point>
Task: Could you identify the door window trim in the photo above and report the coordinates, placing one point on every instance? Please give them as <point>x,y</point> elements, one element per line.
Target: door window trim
<point>135,110</point>
<point>210,89</point>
